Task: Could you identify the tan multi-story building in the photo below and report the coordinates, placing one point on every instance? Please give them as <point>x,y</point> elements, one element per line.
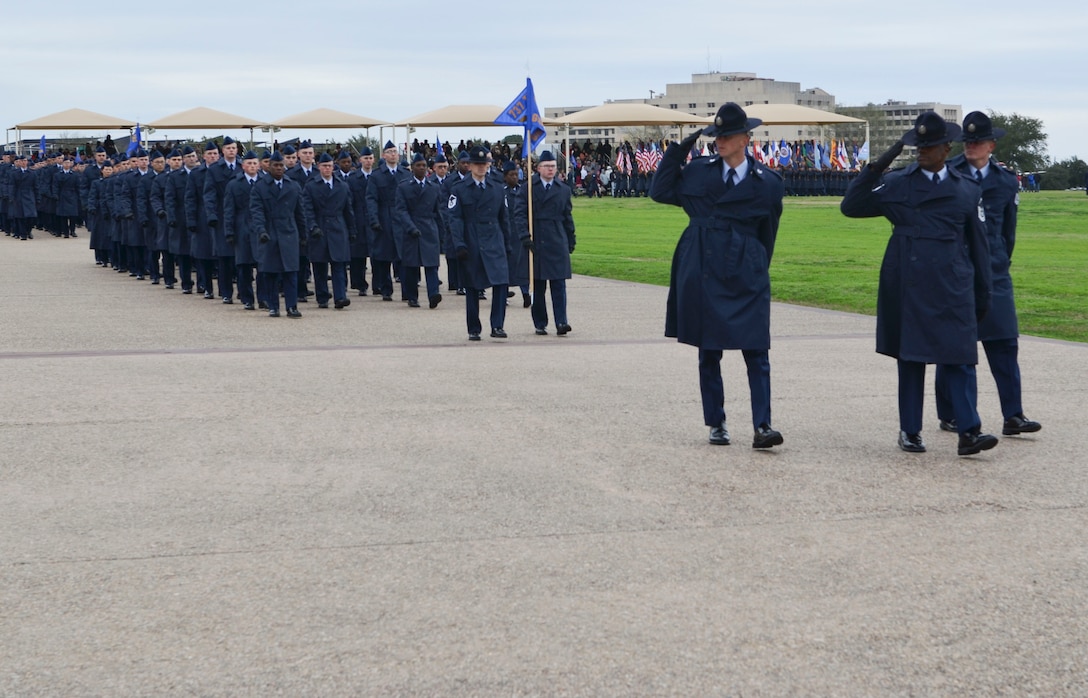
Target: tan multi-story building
<point>890,120</point>
<point>704,95</point>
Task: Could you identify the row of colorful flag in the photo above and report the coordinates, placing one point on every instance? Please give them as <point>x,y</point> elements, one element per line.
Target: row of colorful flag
<point>813,154</point>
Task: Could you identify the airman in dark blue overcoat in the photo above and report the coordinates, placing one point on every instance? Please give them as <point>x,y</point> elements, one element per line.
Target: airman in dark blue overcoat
<point>238,230</point>
<point>223,170</point>
<point>330,226</point>
<point>201,240</point>
<point>66,193</point>
<point>999,330</point>
<point>935,277</point>
<point>418,225</point>
<point>719,288</point>
<point>551,244</point>
<point>176,185</point>
<point>360,247</point>
<point>275,207</point>
<point>479,230</point>
<point>381,199</point>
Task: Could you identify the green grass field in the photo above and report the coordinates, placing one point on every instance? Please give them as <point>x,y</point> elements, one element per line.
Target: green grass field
<point>826,260</point>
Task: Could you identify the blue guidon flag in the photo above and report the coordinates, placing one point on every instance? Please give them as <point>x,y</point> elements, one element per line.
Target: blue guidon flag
<point>524,112</point>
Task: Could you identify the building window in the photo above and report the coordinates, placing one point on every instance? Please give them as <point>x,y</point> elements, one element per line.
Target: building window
<point>692,105</point>
<point>748,104</point>
<point>710,105</point>
<point>672,106</point>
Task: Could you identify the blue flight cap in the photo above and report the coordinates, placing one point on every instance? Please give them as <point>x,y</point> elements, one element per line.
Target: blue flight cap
<point>210,145</point>
<point>155,155</point>
<point>419,157</point>
<point>510,166</point>
<point>276,157</point>
<point>139,153</point>
<point>305,144</point>
<point>175,153</point>
<point>228,141</point>
<point>440,158</point>
<point>343,155</point>
<point>188,150</point>
<point>266,154</point>
<point>463,155</point>
<point>546,156</point>
<point>388,145</point>
<point>325,157</point>
<point>100,149</point>
<point>250,155</point>
<point>288,150</point>
<point>366,151</point>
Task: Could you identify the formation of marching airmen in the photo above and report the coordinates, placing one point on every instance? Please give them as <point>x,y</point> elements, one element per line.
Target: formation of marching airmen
<point>260,226</point>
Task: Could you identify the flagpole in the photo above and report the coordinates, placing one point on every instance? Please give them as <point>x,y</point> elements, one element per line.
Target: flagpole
<point>529,193</point>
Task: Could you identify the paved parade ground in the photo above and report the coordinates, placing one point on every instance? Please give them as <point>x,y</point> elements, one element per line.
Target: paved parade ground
<point>200,500</point>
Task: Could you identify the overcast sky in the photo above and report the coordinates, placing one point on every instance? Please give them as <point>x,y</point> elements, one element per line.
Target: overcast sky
<point>390,60</point>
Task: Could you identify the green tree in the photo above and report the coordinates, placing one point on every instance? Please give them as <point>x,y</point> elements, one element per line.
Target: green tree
<point>1023,148</point>
<point>1066,174</point>
<point>359,140</point>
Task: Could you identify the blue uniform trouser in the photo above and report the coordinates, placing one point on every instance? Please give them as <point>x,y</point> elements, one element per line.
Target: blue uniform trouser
<point>226,277</point>
<point>409,282</point>
<point>245,282</point>
<point>559,303</point>
<point>289,281</point>
<point>1001,354</point>
<point>498,308</point>
<point>358,274</point>
<point>713,393</point>
<point>453,272</point>
<point>960,392</point>
<point>382,277</point>
<point>339,281</point>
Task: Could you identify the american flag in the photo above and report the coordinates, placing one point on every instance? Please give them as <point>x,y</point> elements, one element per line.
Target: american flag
<point>642,159</point>
<point>623,161</point>
<point>655,156</point>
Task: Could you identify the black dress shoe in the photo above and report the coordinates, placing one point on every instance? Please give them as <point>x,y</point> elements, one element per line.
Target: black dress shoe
<point>434,300</point>
<point>274,312</point>
<point>766,437</point>
<point>293,312</point>
<point>498,333</point>
<point>510,294</point>
<point>262,305</point>
<point>169,286</point>
<point>187,291</point>
<point>362,293</point>
<point>413,303</point>
<point>541,330</point>
<point>719,435</point>
<point>948,425</point>
<point>911,443</point>
<point>473,336</point>
<point>304,299</point>
<point>482,296</point>
<point>248,306</point>
<point>154,282</point>
<point>200,289</point>
<point>209,294</point>
<point>970,444</point>
<point>1019,424</point>
<point>322,304</point>
<point>460,291</point>
<point>526,300</point>
<point>562,329</point>
<point>342,303</point>
<point>228,301</point>
<point>387,298</point>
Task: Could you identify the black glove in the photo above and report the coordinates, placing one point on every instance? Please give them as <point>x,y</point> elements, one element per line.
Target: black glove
<point>264,237</point>
<point>145,224</point>
<point>315,233</point>
<point>414,234</point>
<point>685,145</point>
<point>161,214</point>
<point>230,240</point>
<point>527,243</point>
<point>129,216</point>
<point>213,224</point>
<point>172,224</point>
<point>884,161</point>
<point>376,227</point>
<point>353,237</point>
<point>462,253</point>
<point>191,228</point>
<point>570,248</point>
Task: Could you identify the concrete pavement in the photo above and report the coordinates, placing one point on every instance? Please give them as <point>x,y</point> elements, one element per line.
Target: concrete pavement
<point>200,500</point>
